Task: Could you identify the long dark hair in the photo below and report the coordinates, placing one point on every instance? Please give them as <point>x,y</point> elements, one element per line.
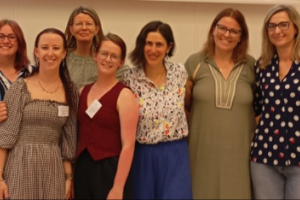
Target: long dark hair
<point>70,90</point>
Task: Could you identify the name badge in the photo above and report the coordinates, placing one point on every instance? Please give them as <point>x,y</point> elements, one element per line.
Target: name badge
<point>63,111</point>
<point>93,109</point>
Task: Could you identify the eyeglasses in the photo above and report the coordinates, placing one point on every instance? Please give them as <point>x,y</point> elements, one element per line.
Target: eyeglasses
<point>282,26</point>
<point>10,37</point>
<point>113,57</point>
<point>232,32</point>
<point>88,25</point>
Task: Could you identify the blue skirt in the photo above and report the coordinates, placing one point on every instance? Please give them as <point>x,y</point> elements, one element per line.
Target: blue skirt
<point>162,171</point>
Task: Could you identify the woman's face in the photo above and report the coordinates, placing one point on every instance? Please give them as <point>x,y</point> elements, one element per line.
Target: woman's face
<point>108,58</point>
<point>281,30</point>
<point>84,28</point>
<point>227,34</point>
<point>50,51</point>
<point>8,41</point>
<point>155,49</point>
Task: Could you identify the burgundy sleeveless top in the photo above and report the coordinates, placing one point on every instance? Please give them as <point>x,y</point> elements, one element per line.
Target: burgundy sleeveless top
<point>101,135</point>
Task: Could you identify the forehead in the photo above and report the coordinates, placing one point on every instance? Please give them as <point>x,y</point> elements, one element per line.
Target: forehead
<point>7,29</point>
<point>50,38</point>
<point>229,22</point>
<point>108,45</point>
<point>83,17</point>
<point>280,16</point>
<point>155,36</point>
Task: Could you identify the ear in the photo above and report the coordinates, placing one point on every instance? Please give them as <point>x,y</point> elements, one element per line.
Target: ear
<point>71,29</point>
<point>97,29</point>
<point>36,51</point>
<point>122,63</point>
<point>95,56</point>
<point>64,56</point>
<point>169,47</point>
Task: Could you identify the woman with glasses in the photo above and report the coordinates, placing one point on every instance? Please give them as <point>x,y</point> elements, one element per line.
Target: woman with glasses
<point>13,58</point>
<point>84,32</point>
<point>107,117</point>
<point>221,118</point>
<point>275,152</point>
<point>160,169</point>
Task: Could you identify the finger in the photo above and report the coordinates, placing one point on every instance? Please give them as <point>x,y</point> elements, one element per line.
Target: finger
<point>6,194</point>
<point>3,118</point>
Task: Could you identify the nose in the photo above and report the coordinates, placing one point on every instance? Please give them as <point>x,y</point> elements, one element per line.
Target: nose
<point>227,34</point>
<point>84,26</point>
<point>6,39</point>
<point>277,29</point>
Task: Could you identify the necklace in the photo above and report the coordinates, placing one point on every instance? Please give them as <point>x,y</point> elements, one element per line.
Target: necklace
<point>49,92</point>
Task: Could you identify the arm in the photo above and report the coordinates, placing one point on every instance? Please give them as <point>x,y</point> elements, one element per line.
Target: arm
<point>3,111</point>
<point>69,176</point>
<point>3,186</point>
<point>126,104</point>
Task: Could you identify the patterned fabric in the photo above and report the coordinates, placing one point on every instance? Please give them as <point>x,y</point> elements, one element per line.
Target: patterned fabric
<point>162,117</point>
<point>5,83</point>
<point>277,137</point>
<point>225,89</point>
<point>37,141</point>
<point>83,70</point>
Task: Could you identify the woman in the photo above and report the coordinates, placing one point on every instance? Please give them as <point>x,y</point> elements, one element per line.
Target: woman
<point>107,133</point>
<point>221,117</point>
<point>275,148</point>
<point>13,58</point>
<point>38,140</point>
<point>161,163</point>
<point>84,32</point>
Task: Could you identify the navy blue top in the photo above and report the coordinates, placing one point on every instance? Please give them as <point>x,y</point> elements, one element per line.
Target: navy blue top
<point>277,136</point>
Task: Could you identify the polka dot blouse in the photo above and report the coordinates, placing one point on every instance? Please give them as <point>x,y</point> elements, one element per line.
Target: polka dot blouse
<point>277,136</point>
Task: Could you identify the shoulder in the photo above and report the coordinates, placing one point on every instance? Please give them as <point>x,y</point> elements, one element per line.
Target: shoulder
<point>250,60</point>
<point>192,62</point>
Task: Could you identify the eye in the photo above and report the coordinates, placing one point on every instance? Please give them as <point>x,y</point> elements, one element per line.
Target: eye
<point>234,31</point>
<point>271,25</point>
<point>2,37</point>
<point>284,24</point>
<point>12,37</point>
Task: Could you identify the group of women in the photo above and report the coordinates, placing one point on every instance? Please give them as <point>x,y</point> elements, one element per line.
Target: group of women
<point>158,130</point>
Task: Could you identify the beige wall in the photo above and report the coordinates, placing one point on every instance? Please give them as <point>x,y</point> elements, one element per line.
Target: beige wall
<point>190,20</point>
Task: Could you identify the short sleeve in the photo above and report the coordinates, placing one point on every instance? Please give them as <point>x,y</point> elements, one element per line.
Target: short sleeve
<point>15,100</point>
<point>257,92</point>
<point>69,134</point>
<point>192,62</point>
<point>127,78</point>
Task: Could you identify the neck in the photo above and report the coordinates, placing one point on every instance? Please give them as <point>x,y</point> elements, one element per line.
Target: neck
<point>83,48</point>
<point>153,72</point>
<point>223,55</point>
<point>104,81</point>
<point>285,54</point>
<point>7,62</point>
<point>48,76</point>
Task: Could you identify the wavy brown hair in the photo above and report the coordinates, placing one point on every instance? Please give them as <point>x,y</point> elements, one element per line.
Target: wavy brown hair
<point>241,49</point>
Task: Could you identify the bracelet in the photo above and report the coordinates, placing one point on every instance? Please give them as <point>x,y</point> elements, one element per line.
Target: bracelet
<point>2,171</point>
<point>69,176</point>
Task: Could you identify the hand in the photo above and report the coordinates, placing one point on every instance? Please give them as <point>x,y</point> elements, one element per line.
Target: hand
<point>3,111</point>
<point>115,193</point>
<point>3,190</point>
<point>68,188</point>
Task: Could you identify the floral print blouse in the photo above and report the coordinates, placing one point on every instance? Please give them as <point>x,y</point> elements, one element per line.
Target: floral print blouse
<point>162,117</point>
<point>277,136</point>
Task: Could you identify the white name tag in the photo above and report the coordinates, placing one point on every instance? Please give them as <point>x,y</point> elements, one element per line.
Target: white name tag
<point>63,111</point>
<point>93,109</point>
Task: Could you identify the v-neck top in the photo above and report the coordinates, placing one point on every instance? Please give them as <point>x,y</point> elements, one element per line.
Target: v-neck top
<point>100,135</point>
<point>277,136</point>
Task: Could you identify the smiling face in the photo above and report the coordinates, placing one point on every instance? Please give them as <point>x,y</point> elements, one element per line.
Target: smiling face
<point>50,51</point>
<point>226,41</point>
<point>155,49</point>
<point>84,28</point>
<point>282,38</point>
<point>8,47</point>
<point>108,58</point>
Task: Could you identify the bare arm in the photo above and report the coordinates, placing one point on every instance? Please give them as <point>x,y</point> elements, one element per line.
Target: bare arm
<point>128,112</point>
<point>68,173</point>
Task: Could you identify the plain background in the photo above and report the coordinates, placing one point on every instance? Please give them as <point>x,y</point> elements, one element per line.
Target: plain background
<point>190,21</point>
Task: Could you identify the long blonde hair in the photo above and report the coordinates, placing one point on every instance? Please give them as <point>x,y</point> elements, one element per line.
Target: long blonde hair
<point>268,50</point>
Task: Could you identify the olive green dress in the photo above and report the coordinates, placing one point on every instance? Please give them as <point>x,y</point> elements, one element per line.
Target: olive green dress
<point>222,124</point>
